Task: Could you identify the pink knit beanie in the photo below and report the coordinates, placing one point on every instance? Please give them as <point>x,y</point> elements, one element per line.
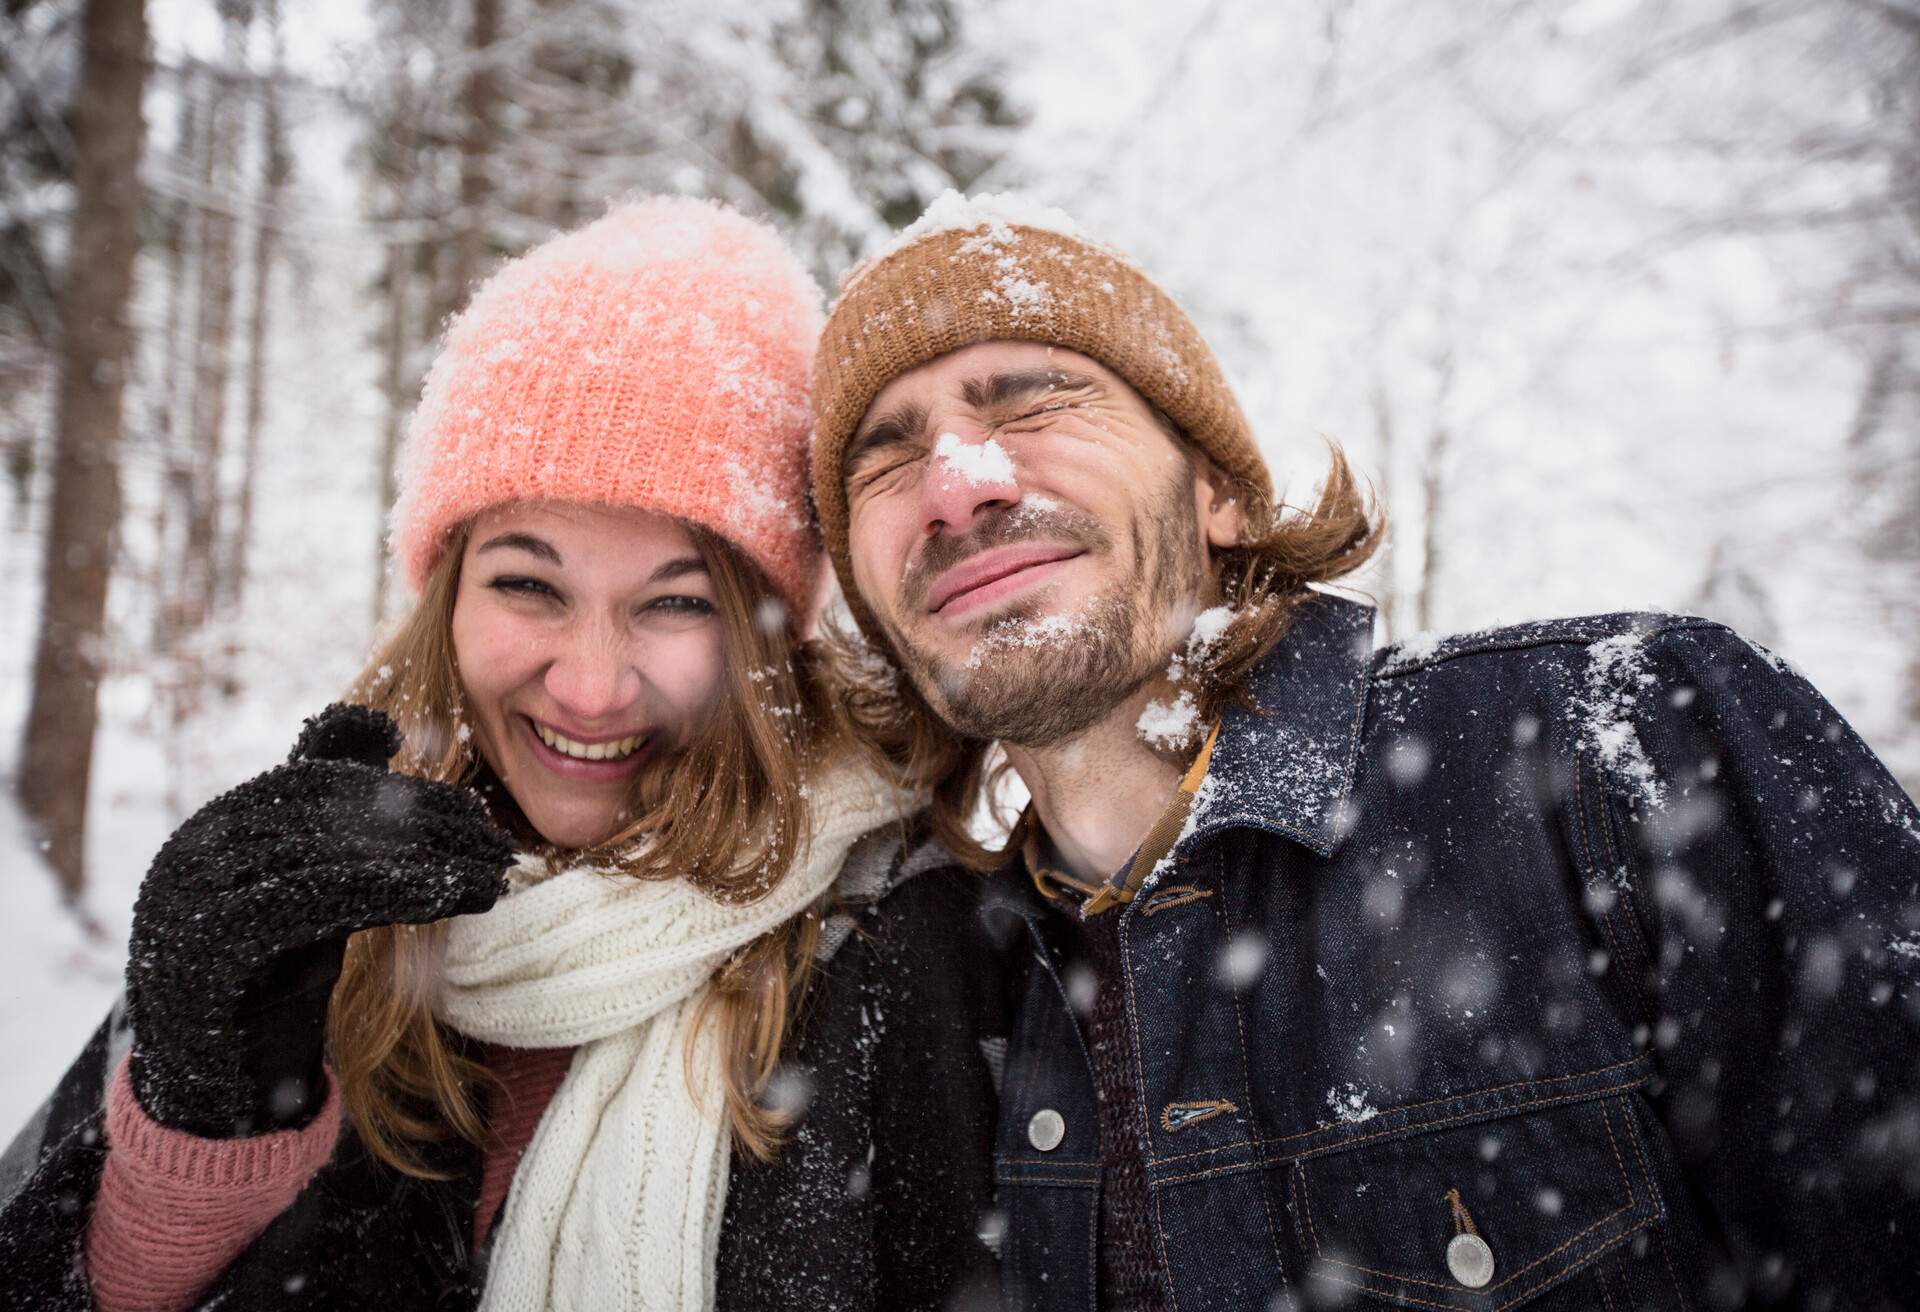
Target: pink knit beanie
<point>657,358</point>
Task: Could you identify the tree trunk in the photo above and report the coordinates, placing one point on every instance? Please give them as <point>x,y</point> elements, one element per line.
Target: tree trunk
<point>171,394</point>
<point>197,570</point>
<point>275,166</point>
<point>1433,492</point>
<point>478,105</point>
<point>201,84</point>
<point>212,354</point>
<point>399,398</point>
<point>57,756</point>
<point>1433,496</point>
<point>446,284</point>
<point>1383,430</point>
<point>1871,412</point>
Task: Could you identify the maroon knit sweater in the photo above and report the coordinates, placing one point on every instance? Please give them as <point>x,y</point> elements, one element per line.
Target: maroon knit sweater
<point>174,1209</point>
<point>1129,1261</point>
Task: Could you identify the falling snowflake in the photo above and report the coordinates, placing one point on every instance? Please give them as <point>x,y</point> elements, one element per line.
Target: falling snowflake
<point>1241,962</point>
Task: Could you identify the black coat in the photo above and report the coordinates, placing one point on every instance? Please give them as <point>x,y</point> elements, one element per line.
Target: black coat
<point>877,1201</point>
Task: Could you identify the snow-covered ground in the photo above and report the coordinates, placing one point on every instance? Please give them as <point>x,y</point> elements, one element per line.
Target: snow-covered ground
<point>55,984</point>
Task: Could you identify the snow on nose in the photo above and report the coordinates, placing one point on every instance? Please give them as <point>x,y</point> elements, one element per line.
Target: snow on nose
<point>971,463</point>
<point>965,478</point>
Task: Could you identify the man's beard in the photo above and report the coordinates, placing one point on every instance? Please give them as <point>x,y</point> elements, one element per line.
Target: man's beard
<point>1036,679</point>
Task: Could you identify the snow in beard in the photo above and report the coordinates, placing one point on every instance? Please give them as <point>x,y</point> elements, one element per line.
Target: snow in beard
<point>1171,725</point>
<point>1083,624</point>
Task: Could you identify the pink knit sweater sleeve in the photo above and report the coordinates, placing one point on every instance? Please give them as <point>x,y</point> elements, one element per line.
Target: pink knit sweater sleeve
<point>175,1209</point>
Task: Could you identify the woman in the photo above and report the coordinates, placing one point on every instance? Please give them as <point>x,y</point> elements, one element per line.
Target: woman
<point>507,989</point>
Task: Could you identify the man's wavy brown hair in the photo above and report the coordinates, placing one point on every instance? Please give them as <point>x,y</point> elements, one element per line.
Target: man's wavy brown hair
<point>1263,578</point>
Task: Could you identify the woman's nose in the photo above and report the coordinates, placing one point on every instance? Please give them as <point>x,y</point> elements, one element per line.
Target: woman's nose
<point>593,676</point>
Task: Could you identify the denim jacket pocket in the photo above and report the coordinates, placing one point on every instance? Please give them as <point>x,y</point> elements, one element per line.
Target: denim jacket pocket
<point>1476,1218</point>
<point>1048,1224</point>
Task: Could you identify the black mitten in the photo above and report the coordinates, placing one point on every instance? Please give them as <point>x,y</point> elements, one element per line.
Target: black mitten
<point>242,922</point>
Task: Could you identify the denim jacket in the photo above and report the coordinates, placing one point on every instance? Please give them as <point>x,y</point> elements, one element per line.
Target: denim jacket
<point>1567,966</point>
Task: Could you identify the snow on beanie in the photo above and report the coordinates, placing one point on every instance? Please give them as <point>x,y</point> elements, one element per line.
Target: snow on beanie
<point>997,268</point>
<point>656,358</point>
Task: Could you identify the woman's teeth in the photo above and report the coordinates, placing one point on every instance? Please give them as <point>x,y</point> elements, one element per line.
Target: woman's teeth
<point>612,751</point>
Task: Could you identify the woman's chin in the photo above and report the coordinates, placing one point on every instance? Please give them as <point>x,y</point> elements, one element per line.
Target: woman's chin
<point>568,829</point>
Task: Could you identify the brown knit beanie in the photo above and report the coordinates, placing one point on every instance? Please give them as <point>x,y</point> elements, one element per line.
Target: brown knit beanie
<point>996,268</point>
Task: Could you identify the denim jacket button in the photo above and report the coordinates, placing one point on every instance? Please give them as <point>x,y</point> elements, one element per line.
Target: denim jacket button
<point>1470,1261</point>
<point>1047,1128</point>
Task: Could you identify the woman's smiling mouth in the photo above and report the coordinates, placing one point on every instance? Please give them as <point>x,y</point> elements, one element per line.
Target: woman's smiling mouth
<point>608,758</point>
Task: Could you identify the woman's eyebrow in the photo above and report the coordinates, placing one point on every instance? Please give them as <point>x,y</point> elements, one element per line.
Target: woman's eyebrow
<point>677,568</point>
<point>525,542</point>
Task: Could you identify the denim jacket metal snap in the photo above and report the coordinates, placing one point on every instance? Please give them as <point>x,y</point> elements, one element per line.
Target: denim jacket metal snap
<point>1567,966</point>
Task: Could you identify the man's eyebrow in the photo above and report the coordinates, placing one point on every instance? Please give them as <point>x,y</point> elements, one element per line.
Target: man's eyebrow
<point>908,421</point>
<point>903,423</point>
<point>677,568</point>
<point>996,391</point>
<point>524,541</point>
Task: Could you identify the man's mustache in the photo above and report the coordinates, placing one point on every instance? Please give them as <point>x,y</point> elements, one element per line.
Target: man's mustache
<point>1022,523</point>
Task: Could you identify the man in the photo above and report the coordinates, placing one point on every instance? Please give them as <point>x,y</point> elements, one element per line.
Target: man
<point>1572,965</point>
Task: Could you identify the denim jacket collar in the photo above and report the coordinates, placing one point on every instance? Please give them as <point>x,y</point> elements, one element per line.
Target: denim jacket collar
<point>1288,765</point>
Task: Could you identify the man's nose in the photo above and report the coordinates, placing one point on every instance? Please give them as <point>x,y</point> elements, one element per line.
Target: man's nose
<point>594,675</point>
<point>968,476</point>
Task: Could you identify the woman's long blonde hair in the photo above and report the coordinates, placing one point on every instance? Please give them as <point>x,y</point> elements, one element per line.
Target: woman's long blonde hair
<point>727,814</point>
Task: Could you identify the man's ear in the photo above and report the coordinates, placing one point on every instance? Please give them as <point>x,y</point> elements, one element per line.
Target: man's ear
<point>1223,516</point>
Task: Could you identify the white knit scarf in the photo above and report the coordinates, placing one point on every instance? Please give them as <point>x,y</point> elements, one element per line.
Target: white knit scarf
<point>617,1202</point>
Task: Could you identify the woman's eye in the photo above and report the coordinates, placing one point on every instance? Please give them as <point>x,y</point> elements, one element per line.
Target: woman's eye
<point>515,586</point>
<point>681,605</point>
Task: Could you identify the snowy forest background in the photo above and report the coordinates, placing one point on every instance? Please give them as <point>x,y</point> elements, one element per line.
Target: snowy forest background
<point>1616,301</point>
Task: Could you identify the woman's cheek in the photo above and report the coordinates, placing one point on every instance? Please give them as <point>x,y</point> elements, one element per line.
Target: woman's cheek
<point>483,657</point>
<point>690,675</point>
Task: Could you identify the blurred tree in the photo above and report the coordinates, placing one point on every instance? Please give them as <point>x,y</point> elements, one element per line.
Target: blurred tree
<point>1879,306</point>
<point>1731,591</point>
<point>578,129</point>
<point>108,130</point>
<point>885,104</point>
<point>479,106</point>
<point>195,480</point>
<point>403,104</point>
<point>174,212</point>
<point>275,165</point>
<point>39,56</point>
<point>190,659</point>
